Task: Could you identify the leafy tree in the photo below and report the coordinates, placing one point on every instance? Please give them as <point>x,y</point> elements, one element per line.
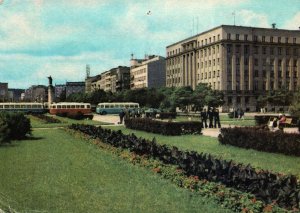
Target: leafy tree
<point>295,106</point>
<point>182,98</point>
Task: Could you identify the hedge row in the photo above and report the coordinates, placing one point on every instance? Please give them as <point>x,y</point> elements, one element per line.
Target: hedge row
<point>167,115</point>
<point>266,186</point>
<point>46,118</point>
<point>13,126</point>
<point>164,128</point>
<point>261,140</point>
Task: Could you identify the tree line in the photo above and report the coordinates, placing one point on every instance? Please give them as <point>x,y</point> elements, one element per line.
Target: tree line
<point>168,99</point>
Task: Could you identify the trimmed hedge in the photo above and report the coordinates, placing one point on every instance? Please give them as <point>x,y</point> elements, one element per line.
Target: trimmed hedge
<point>46,118</point>
<point>167,115</point>
<point>164,128</point>
<point>266,186</point>
<point>261,140</point>
<point>13,126</point>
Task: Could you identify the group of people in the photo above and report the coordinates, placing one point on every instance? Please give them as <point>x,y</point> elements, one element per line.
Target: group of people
<point>212,115</point>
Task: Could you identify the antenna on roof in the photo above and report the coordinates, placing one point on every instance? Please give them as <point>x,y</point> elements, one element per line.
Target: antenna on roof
<point>233,14</point>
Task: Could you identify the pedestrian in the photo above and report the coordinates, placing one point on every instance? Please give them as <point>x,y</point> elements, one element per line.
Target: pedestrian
<point>121,115</point>
<point>242,114</point>
<point>210,117</point>
<point>203,116</point>
<point>216,118</point>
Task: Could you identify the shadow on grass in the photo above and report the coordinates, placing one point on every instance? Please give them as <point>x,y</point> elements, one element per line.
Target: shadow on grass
<point>15,143</point>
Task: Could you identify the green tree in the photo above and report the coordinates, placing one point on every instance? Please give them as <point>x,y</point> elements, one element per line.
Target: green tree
<point>182,98</point>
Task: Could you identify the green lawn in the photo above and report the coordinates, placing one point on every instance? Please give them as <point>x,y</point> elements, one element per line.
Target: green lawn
<point>55,172</point>
<point>38,123</point>
<point>263,160</point>
<point>224,119</point>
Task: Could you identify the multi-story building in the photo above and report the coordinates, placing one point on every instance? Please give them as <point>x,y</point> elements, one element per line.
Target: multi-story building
<point>15,94</point>
<point>115,79</point>
<point>59,89</point>
<point>36,93</point>
<point>3,91</point>
<point>244,62</point>
<point>149,72</point>
<point>74,87</point>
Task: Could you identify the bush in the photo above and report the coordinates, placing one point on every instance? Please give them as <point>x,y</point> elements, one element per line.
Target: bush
<point>164,128</point>
<point>46,118</point>
<point>266,186</point>
<point>261,140</point>
<point>13,126</point>
<point>167,115</point>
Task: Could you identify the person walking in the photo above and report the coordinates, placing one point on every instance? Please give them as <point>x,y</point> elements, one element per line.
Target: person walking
<point>210,117</point>
<point>203,116</point>
<point>121,115</point>
<point>216,118</point>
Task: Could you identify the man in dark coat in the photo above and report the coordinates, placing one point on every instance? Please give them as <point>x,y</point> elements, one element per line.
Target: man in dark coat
<point>216,118</point>
<point>203,116</point>
<point>210,117</point>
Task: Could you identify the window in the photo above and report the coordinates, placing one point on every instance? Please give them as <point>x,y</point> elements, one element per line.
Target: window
<point>264,50</point>
<point>263,38</point>
<point>279,50</point>
<point>214,38</point>
<point>271,39</point>
<point>237,37</point>
<point>294,40</point>
<point>272,50</point>
<point>255,38</point>
<point>246,37</point>
<point>286,40</point>
<point>228,36</point>
<point>255,73</point>
<point>255,49</point>
<point>205,41</point>
<point>218,37</point>
<point>209,39</point>
<point>287,51</point>
<point>279,39</point>
<point>256,62</point>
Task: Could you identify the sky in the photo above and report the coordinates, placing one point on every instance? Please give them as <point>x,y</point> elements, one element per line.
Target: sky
<point>39,38</point>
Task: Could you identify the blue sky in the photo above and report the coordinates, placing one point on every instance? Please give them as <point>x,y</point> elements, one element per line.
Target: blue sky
<point>39,38</point>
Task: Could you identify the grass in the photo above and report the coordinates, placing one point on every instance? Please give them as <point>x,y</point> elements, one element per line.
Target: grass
<point>224,119</point>
<point>55,172</point>
<point>38,123</point>
<point>262,160</point>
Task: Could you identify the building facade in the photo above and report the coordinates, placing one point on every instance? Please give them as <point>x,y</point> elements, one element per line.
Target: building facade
<point>74,87</point>
<point>36,93</point>
<point>149,72</point>
<point>3,91</point>
<point>244,62</point>
<point>59,90</point>
<point>113,80</point>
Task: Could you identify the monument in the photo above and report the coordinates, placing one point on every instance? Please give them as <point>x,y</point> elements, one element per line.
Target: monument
<point>50,91</point>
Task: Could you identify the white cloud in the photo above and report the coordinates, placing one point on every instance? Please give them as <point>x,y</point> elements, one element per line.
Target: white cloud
<point>251,18</point>
<point>293,23</point>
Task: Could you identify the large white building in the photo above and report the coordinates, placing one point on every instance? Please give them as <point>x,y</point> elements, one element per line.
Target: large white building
<point>244,62</point>
<point>149,72</point>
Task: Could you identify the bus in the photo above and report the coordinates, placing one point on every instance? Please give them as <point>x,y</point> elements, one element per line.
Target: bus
<point>29,108</point>
<point>70,108</point>
<point>115,107</point>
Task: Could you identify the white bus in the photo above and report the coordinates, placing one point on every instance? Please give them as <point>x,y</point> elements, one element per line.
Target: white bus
<point>115,107</point>
<point>23,107</point>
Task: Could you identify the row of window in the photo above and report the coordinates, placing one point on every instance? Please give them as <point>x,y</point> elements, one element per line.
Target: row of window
<point>270,39</point>
<point>209,63</point>
<point>70,106</point>
<point>138,72</point>
<point>21,106</point>
<point>264,50</point>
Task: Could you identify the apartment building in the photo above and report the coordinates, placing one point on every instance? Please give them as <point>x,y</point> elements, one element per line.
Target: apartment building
<point>3,91</point>
<point>36,93</point>
<point>244,62</point>
<point>149,72</point>
<point>115,79</point>
<point>74,87</point>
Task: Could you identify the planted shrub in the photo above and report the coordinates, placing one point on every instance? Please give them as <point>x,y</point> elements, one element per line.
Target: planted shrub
<point>167,115</point>
<point>13,126</point>
<point>46,118</point>
<point>261,140</point>
<point>164,128</point>
<point>266,186</point>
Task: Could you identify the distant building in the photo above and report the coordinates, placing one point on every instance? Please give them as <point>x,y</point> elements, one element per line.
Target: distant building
<point>36,93</point>
<point>3,91</point>
<point>74,87</point>
<point>89,83</point>
<point>58,90</point>
<point>149,72</point>
<point>115,79</point>
<point>15,94</point>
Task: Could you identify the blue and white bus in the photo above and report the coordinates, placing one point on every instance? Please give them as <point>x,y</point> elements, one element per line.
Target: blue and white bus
<point>115,107</point>
<point>23,107</point>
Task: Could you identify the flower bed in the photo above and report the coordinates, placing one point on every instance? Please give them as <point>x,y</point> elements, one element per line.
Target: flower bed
<point>266,186</point>
<point>46,119</point>
<point>261,140</point>
<point>164,128</point>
